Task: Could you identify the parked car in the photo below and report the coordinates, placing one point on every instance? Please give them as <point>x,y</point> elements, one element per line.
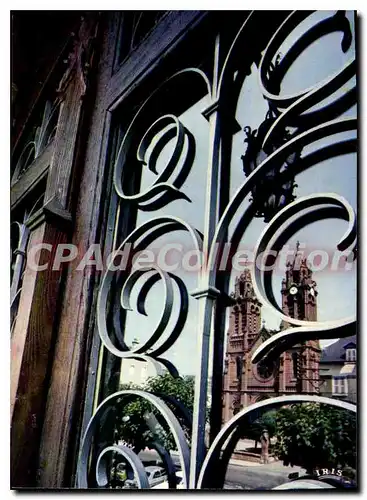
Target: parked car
<point>156,475</point>
<point>305,484</point>
<point>130,484</point>
<point>164,484</point>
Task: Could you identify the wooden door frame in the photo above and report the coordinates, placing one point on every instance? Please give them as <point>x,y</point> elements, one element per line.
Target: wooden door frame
<point>71,388</point>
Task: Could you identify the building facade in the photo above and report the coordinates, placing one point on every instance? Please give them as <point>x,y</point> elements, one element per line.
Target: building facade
<point>135,372</point>
<point>296,371</point>
<point>338,369</point>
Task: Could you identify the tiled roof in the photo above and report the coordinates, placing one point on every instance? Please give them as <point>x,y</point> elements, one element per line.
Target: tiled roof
<point>335,352</point>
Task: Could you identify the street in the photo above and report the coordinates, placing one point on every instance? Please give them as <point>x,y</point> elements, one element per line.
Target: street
<point>241,475</point>
<point>257,476</point>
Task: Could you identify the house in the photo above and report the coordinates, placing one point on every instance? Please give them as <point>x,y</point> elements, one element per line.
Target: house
<point>137,372</point>
<point>338,369</point>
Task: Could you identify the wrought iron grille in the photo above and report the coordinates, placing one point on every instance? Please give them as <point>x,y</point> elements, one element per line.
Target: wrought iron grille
<point>39,137</point>
<point>176,171</point>
<point>20,235</point>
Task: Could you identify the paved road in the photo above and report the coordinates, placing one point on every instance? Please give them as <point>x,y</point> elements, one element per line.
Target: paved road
<point>244,476</point>
<point>258,476</point>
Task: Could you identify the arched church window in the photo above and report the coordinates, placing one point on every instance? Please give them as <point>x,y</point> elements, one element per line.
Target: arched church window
<point>265,369</point>
<point>239,364</point>
<point>295,364</point>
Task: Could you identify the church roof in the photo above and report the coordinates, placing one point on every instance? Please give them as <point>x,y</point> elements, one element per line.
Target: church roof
<point>335,353</point>
<point>265,333</point>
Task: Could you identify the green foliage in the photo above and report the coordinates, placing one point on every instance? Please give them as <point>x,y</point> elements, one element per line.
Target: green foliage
<point>316,436</point>
<point>181,388</point>
<point>266,421</point>
<point>139,423</point>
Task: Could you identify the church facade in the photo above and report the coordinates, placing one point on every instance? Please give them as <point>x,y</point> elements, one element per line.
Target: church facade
<point>296,371</point>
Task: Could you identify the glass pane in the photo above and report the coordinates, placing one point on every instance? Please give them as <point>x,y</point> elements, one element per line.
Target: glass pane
<point>281,325</point>
<point>156,301</point>
<point>136,25</point>
<point>311,280</point>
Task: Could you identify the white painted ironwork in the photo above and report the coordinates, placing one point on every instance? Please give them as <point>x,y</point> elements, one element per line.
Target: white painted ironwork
<point>302,123</point>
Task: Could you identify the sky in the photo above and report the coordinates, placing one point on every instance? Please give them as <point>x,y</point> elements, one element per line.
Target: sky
<point>337,289</point>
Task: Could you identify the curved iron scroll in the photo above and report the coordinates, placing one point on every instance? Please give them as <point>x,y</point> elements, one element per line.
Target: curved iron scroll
<point>214,468</point>
<point>108,403</point>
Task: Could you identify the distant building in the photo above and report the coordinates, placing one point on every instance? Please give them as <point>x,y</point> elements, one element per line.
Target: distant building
<point>134,371</point>
<point>338,369</point>
<point>296,371</point>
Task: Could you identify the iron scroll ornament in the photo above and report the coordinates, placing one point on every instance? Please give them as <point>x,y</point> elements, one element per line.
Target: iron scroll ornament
<point>275,190</point>
<point>291,219</point>
<point>293,115</point>
<point>287,222</point>
<point>166,186</point>
<point>214,468</point>
<point>141,237</point>
<point>306,138</point>
<point>292,111</point>
<point>18,258</point>
<point>160,133</point>
<point>130,456</point>
<point>109,402</point>
<point>336,23</point>
<point>40,138</point>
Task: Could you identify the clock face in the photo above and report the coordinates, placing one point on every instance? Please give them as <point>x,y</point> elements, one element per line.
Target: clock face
<point>293,290</point>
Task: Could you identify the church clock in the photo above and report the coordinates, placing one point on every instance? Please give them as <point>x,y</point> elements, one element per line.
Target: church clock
<point>293,290</point>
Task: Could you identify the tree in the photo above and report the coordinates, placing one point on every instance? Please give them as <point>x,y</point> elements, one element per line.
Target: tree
<point>316,436</point>
<point>140,424</point>
<point>266,421</point>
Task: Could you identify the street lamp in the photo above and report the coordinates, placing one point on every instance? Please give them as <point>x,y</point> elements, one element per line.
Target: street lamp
<point>275,189</point>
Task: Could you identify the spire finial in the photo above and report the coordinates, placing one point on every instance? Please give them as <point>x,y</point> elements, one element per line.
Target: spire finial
<point>295,255</point>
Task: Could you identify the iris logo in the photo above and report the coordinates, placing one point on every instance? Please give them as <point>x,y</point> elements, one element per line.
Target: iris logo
<point>330,472</point>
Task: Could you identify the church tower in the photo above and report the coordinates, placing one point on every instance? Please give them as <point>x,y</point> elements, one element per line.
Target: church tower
<point>297,370</point>
<point>299,291</point>
<point>299,301</point>
<point>244,327</point>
